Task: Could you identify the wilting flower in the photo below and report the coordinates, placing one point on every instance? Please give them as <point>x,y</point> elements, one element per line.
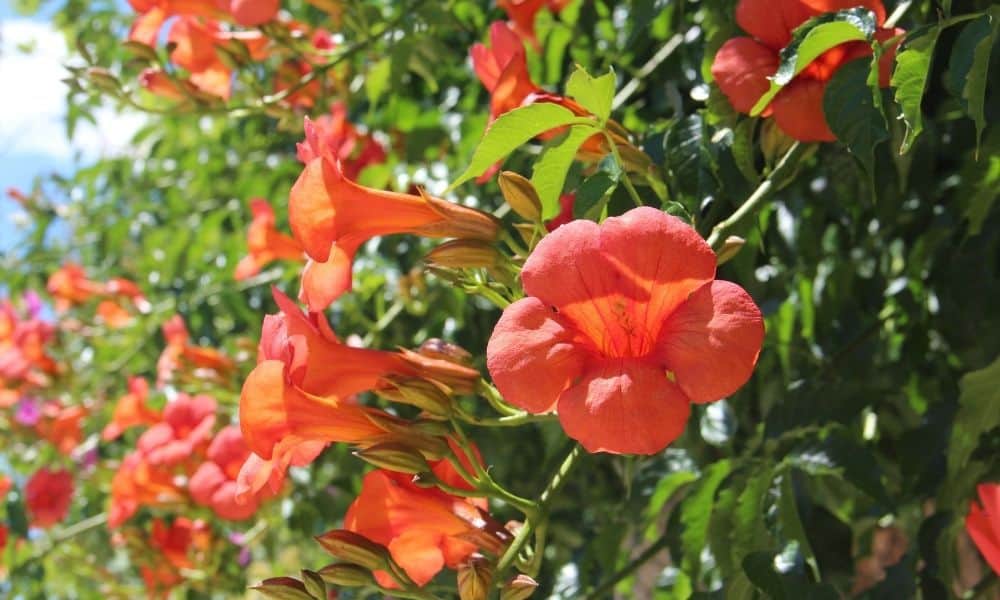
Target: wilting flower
<point>131,410</point>
<point>180,352</point>
<point>264,242</point>
<point>623,326</point>
<point>186,427</point>
<point>522,14</point>
<point>424,529</point>
<point>214,483</point>
<point>983,523</point>
<point>332,216</point>
<point>47,495</point>
<point>742,66</point>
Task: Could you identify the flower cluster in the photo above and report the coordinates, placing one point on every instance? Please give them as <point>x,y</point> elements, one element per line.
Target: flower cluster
<point>743,65</point>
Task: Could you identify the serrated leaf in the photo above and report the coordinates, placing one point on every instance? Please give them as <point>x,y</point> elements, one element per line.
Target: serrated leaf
<point>909,79</point>
<point>978,412</point>
<point>696,514</point>
<point>593,93</point>
<point>813,38</point>
<point>510,131</point>
<point>974,47</point>
<point>850,111</point>
<point>549,173</point>
<point>791,523</point>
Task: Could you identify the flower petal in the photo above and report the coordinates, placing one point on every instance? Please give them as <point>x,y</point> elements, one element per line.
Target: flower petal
<point>979,528</point>
<point>798,111</point>
<point>624,407</point>
<point>741,68</point>
<point>711,342</point>
<point>617,282</point>
<point>324,282</point>
<point>772,21</point>
<point>531,356</point>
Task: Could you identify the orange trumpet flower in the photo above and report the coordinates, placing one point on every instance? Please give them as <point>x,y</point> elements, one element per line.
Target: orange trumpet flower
<point>331,216</point>
<point>264,242</point>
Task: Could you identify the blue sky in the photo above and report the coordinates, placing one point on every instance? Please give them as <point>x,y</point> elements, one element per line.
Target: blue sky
<point>32,133</point>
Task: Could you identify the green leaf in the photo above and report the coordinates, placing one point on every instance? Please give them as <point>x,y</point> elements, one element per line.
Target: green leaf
<point>510,131</point>
<point>791,523</point>
<point>593,195</point>
<point>759,568</point>
<point>840,456</point>
<point>978,412</point>
<point>696,514</point>
<point>549,173</point>
<point>593,93</point>
<point>665,489</point>
<point>913,65</point>
<point>850,111</point>
<point>813,38</point>
<point>970,63</point>
<point>377,80</point>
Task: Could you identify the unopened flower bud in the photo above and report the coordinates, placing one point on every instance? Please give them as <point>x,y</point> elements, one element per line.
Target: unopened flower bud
<point>283,588</point>
<point>459,221</point>
<point>520,194</point>
<point>730,248</point>
<point>395,457</point>
<point>421,393</point>
<point>140,50</point>
<point>438,348</point>
<point>355,549</point>
<point>315,585</point>
<point>474,579</point>
<point>346,575</point>
<point>464,254</point>
<point>518,588</point>
<point>103,79</point>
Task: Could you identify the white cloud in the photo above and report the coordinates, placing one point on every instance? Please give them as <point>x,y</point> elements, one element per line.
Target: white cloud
<point>33,99</point>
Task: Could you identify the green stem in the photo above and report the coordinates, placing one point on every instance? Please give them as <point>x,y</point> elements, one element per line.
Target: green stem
<point>621,163</point>
<point>719,233</point>
<point>493,396</point>
<point>533,521</point>
<point>604,590</point>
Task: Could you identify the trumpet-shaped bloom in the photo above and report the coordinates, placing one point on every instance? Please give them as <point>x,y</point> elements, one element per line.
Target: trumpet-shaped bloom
<point>264,242</point>
<point>179,540</point>
<point>335,132</point>
<point>214,483</point>
<point>137,483</point>
<point>180,353</point>
<point>304,380</point>
<point>522,15</point>
<point>47,495</point>
<point>332,216</point>
<point>195,41</point>
<point>424,529</point>
<point>983,523</point>
<point>60,426</point>
<point>131,410</point>
<point>186,427</point>
<point>623,326</point>
<point>299,397</point>
<point>742,66</point>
